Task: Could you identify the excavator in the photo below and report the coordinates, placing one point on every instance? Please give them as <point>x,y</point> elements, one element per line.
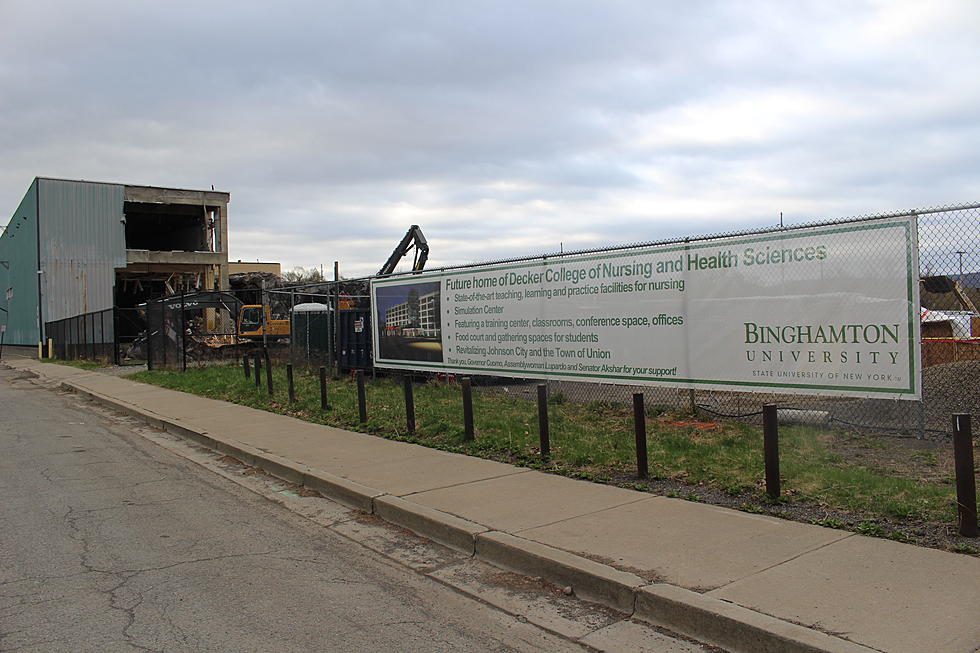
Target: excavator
<point>255,320</point>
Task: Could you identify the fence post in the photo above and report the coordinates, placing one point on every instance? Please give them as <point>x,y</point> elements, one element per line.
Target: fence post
<point>183,335</point>
<point>149,340</point>
<point>409,405</point>
<point>258,369</point>
<point>770,434</point>
<point>289,383</point>
<point>361,397</point>
<point>292,332</point>
<point>468,433</point>
<point>640,429</point>
<point>331,331</point>
<point>544,432</point>
<point>116,354</point>
<point>248,372</point>
<point>268,371</point>
<point>966,485</point>
<point>336,317</point>
<point>323,388</point>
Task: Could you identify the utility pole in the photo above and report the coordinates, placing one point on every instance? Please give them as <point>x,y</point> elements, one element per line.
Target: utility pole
<point>960,252</point>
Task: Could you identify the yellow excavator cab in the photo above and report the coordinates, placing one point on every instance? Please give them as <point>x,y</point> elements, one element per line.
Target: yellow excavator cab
<point>255,321</point>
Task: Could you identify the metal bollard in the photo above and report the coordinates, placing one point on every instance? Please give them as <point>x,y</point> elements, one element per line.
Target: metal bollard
<point>640,429</point>
<point>409,405</point>
<point>966,485</point>
<point>468,433</point>
<point>323,388</point>
<point>268,372</point>
<point>361,397</point>
<point>544,433</point>
<point>770,434</point>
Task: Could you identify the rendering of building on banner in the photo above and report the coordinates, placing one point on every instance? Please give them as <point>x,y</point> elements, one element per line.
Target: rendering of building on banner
<point>77,248</point>
<point>409,322</point>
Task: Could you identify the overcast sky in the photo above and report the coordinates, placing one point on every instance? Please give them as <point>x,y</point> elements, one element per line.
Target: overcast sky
<point>502,127</point>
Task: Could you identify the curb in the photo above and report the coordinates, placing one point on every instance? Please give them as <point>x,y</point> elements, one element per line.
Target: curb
<point>731,626</point>
<point>349,493</point>
<point>684,611</point>
<point>454,532</point>
<point>589,580</point>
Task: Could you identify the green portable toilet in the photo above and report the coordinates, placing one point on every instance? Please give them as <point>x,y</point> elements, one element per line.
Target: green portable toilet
<point>311,333</point>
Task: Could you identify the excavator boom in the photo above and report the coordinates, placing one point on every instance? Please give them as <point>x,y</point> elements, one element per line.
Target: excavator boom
<point>413,238</point>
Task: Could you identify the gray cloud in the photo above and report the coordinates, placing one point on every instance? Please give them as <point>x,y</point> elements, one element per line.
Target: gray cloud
<point>503,128</point>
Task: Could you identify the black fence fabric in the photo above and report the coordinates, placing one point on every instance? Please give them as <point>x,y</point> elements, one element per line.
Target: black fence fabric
<point>85,337</point>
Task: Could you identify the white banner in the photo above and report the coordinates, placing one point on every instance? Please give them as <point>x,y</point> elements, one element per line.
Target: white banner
<point>829,310</point>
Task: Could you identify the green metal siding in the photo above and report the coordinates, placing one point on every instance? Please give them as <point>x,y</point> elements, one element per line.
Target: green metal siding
<point>83,241</point>
<point>18,247</point>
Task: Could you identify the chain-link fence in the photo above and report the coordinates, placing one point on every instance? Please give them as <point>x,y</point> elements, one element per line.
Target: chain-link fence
<point>322,325</point>
<point>949,277</point>
<point>329,324</point>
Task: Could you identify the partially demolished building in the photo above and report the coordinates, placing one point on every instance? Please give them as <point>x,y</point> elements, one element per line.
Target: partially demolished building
<point>76,248</point>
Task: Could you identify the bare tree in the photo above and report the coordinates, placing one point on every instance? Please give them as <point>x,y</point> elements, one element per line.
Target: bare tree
<point>300,275</point>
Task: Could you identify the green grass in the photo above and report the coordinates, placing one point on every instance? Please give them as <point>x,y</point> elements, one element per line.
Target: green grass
<point>83,365</point>
<point>593,441</point>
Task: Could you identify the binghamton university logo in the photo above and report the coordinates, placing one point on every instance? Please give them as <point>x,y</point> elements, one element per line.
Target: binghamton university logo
<point>801,342</point>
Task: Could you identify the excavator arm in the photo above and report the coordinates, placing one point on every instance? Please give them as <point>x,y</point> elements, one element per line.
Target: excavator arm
<point>413,238</point>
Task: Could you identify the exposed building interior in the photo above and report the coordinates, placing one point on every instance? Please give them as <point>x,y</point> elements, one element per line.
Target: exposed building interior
<point>174,243</point>
<point>170,227</point>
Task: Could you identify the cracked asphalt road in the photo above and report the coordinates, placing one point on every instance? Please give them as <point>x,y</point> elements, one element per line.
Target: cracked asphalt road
<point>110,543</point>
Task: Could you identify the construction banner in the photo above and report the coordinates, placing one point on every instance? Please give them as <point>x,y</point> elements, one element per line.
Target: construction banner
<point>828,310</point>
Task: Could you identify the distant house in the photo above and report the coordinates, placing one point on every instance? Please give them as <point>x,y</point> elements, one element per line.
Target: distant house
<point>80,247</point>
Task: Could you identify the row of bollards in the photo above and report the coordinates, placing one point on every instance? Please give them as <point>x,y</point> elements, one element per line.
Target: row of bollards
<point>966,494</point>
<point>290,385</point>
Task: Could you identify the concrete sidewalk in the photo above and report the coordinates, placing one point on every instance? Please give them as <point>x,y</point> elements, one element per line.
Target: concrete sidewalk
<point>741,581</point>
